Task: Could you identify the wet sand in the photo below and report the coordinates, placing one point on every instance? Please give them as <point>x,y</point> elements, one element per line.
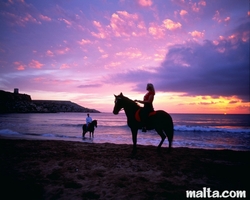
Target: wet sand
<point>41,169</point>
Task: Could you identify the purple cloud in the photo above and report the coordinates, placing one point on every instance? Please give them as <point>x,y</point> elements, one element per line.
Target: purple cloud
<point>213,68</point>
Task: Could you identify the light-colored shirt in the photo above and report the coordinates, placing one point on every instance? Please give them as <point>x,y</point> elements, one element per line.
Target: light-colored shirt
<point>88,120</point>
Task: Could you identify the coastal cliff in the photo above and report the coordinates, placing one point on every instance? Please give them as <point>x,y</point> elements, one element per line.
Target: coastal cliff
<point>22,103</point>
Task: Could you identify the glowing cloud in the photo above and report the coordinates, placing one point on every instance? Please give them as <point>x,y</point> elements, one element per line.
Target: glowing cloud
<point>145,3</point>
<point>35,64</point>
<point>171,25</point>
<point>196,52</point>
<point>197,34</point>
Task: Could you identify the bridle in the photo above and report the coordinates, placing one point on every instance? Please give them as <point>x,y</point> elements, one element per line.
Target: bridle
<point>116,101</point>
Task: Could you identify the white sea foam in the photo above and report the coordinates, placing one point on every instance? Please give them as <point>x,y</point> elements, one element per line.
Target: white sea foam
<point>195,131</point>
<point>7,132</point>
<point>186,128</point>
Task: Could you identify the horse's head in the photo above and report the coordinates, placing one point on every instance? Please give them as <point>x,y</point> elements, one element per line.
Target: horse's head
<point>95,123</point>
<point>122,102</point>
<point>118,103</point>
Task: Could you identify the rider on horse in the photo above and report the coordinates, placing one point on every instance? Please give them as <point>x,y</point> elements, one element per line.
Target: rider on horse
<point>88,121</point>
<point>148,105</point>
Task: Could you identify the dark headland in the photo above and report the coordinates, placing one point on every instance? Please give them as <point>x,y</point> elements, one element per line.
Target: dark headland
<point>22,103</point>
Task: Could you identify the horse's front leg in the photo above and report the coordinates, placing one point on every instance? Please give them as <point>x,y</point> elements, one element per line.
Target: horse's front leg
<point>134,138</point>
<point>83,132</point>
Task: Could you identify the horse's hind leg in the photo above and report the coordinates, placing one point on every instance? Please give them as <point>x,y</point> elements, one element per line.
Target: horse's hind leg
<point>134,138</point>
<point>163,137</point>
<point>170,135</point>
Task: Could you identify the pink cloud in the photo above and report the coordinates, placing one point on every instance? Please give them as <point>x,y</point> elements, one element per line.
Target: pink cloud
<point>156,30</point>
<point>197,34</point>
<point>20,66</point>
<point>112,65</point>
<point>202,3</point>
<point>14,19</point>
<point>29,18</point>
<point>67,22</point>
<point>121,24</point>
<point>171,25</point>
<point>100,50</point>
<point>97,24</point>
<point>124,24</point>
<point>44,18</point>
<point>227,19</point>
<point>220,19</point>
<point>64,66</point>
<point>130,53</point>
<point>102,31</point>
<point>35,64</point>
<point>39,79</point>
<point>196,8</point>
<point>63,51</point>
<point>183,13</point>
<point>53,83</point>
<point>68,65</point>
<point>145,3</point>
<point>105,55</point>
<point>49,53</point>
<point>83,42</point>
<point>99,35</point>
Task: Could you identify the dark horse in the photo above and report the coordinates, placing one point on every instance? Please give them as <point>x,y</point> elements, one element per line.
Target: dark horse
<point>90,128</point>
<point>161,121</point>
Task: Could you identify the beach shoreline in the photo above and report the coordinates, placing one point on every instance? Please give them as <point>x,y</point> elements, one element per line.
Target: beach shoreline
<point>52,169</point>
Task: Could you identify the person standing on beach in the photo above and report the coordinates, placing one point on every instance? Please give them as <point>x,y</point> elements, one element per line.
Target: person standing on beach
<point>148,105</point>
<point>88,120</point>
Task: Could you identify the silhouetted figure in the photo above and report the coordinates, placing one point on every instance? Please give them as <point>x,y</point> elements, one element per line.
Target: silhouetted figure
<point>90,128</point>
<point>88,120</point>
<point>148,105</point>
<point>159,120</point>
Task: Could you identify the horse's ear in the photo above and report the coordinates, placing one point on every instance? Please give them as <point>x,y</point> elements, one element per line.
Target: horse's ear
<point>121,94</point>
<point>115,95</point>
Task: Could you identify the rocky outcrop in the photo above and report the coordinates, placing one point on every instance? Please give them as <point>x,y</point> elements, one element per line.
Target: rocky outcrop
<point>60,106</point>
<point>22,103</point>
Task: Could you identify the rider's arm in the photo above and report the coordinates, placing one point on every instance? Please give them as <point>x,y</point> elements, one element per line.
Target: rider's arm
<point>150,100</point>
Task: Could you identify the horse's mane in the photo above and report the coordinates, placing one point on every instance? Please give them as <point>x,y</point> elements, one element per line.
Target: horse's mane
<point>130,101</point>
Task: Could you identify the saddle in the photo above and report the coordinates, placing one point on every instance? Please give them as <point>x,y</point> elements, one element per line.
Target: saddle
<point>137,114</point>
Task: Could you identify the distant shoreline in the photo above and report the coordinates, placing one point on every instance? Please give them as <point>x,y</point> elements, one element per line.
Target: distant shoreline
<point>22,103</point>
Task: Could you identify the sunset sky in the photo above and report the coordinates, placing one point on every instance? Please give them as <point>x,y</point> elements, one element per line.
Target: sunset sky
<point>195,52</point>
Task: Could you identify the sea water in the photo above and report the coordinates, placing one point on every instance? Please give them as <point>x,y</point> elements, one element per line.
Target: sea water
<point>208,131</point>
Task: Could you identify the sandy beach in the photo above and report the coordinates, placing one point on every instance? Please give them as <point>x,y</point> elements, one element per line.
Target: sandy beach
<point>41,169</point>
